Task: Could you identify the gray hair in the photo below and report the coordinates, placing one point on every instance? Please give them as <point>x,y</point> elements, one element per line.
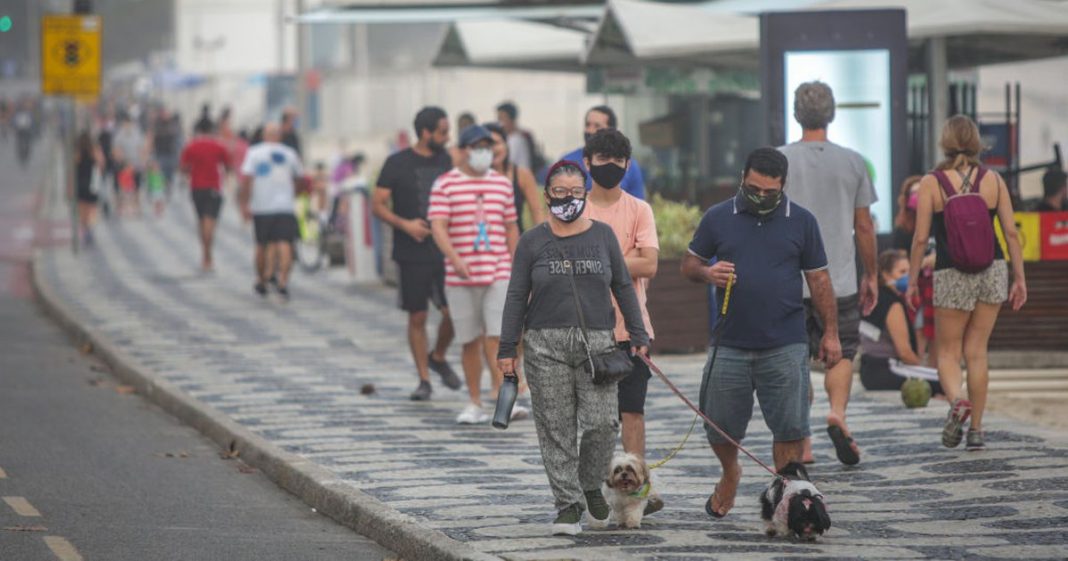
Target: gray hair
<point>564,169</point>
<point>814,105</point>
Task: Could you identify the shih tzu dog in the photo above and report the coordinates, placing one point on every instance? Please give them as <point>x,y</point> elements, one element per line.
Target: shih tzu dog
<point>794,506</point>
<point>627,490</point>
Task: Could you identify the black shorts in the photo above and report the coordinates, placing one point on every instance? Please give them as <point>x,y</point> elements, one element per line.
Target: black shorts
<point>208,202</point>
<point>421,282</point>
<point>848,326</point>
<point>633,388</point>
<point>271,228</point>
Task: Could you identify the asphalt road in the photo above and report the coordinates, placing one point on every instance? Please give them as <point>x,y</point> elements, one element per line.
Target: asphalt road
<point>90,471</point>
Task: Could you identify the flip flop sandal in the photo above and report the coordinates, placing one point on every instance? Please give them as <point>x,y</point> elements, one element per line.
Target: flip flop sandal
<point>842,447</point>
<point>708,505</point>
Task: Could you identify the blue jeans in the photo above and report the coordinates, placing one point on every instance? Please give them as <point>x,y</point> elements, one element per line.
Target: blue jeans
<point>780,379</point>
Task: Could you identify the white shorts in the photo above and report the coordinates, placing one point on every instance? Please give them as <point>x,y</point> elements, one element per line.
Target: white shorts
<point>476,310</point>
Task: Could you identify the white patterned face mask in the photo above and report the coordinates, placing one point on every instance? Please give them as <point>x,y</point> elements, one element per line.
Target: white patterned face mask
<point>567,209</point>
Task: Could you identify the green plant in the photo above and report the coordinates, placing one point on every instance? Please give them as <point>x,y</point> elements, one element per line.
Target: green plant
<point>675,224</point>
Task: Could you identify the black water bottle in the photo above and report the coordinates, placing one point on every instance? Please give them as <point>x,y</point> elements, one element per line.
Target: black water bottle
<point>505,401</point>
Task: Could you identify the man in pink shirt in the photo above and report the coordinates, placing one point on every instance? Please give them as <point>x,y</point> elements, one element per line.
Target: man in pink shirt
<point>473,220</point>
<point>607,155</point>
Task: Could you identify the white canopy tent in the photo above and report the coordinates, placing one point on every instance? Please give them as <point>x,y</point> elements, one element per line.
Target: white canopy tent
<point>976,31</point>
<point>633,31</point>
<point>511,44</point>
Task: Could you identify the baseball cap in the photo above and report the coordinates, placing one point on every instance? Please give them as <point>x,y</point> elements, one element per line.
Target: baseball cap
<point>473,134</point>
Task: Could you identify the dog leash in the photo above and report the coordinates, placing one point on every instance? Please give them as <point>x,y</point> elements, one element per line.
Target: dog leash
<point>697,410</point>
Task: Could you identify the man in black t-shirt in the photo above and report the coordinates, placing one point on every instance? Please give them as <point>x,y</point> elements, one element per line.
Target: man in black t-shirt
<point>405,181</point>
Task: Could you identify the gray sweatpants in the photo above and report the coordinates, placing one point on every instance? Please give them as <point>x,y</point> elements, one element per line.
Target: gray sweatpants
<point>569,407</point>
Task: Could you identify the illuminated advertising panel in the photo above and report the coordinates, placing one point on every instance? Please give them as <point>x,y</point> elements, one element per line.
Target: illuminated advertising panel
<point>860,80</point>
<point>863,56</point>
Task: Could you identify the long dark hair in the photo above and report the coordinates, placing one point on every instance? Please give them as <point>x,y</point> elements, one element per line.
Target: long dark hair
<point>496,129</point>
<point>84,146</point>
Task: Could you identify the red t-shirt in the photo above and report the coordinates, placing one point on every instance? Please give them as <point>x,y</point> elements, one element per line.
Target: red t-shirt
<point>203,157</point>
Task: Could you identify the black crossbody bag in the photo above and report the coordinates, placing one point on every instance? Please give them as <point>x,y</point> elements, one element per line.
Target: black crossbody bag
<point>608,367</point>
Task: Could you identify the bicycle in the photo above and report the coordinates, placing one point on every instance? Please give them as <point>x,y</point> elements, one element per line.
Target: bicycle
<point>319,239</point>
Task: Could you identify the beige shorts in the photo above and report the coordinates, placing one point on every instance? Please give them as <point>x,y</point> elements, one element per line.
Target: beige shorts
<point>960,291</point>
<point>476,310</point>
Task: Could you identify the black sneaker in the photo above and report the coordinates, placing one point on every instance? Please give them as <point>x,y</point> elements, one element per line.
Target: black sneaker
<point>260,289</point>
<point>597,510</point>
<point>448,376</point>
<point>568,521</point>
<point>283,291</point>
<point>422,393</point>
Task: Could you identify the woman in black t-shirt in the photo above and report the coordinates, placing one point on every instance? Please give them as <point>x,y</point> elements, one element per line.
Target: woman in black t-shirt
<point>889,334</point>
<point>88,161</point>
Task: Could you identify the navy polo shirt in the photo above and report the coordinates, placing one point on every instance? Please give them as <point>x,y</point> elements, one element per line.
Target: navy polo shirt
<point>769,255</point>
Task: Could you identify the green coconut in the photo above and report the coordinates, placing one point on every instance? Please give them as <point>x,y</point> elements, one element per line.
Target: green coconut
<point>915,392</point>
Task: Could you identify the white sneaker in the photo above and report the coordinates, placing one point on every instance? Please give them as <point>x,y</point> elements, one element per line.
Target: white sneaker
<point>519,412</point>
<point>472,415</point>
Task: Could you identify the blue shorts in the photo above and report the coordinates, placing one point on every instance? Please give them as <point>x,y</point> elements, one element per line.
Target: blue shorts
<point>780,378</point>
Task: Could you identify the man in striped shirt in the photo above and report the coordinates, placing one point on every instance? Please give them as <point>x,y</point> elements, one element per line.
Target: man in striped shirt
<point>473,220</point>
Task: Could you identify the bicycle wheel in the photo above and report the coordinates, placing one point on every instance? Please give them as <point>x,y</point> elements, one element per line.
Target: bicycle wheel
<point>309,246</point>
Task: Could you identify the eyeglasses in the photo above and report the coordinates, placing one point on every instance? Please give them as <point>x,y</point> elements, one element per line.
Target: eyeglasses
<point>561,192</point>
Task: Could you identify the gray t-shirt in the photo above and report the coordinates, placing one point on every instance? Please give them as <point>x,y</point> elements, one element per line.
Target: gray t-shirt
<point>831,182</point>
<point>539,292</point>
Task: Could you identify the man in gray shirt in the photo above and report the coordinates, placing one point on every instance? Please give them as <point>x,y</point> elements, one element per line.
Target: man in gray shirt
<point>834,183</point>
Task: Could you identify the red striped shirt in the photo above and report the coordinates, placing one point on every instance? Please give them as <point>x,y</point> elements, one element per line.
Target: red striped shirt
<point>477,209</point>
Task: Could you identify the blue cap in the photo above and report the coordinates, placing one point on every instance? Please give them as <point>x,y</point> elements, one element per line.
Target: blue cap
<point>473,134</point>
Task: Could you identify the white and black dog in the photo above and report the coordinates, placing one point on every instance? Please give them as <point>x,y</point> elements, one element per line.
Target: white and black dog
<point>794,506</point>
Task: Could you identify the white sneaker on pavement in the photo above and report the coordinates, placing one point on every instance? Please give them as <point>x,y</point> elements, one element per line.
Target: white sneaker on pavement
<point>472,415</point>
<point>519,412</point>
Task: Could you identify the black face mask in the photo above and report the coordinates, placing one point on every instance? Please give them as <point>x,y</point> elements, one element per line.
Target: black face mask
<point>434,146</point>
<point>607,175</point>
<point>761,205</point>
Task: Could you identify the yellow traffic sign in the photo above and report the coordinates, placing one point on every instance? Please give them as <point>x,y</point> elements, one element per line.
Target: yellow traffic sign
<point>70,55</point>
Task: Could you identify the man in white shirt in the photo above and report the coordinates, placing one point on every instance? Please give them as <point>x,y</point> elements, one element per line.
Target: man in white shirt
<point>270,175</point>
<point>519,149</point>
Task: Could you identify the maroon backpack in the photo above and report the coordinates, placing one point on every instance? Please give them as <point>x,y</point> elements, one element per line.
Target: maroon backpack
<point>969,229</point>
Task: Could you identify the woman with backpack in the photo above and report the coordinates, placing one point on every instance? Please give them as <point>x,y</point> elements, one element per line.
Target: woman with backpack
<point>958,202</point>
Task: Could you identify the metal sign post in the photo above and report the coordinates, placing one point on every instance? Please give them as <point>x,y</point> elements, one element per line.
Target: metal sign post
<point>70,67</point>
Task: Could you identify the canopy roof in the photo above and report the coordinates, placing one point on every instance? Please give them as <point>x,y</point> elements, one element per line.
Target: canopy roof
<point>977,31</point>
<point>511,44</point>
<point>635,30</point>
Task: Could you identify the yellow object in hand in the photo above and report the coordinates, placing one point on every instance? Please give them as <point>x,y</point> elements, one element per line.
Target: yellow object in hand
<point>727,294</point>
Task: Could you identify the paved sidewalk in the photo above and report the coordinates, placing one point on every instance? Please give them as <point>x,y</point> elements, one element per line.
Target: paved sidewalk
<point>291,373</point>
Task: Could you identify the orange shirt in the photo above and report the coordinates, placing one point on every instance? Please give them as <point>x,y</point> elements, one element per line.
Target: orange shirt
<point>632,221</point>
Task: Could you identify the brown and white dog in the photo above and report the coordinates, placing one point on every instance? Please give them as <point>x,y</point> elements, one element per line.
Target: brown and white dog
<point>627,490</point>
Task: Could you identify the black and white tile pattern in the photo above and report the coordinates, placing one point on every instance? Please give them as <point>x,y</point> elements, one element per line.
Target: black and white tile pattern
<point>292,373</point>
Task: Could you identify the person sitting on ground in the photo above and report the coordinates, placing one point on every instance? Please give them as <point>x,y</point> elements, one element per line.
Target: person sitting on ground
<point>1054,191</point>
<point>887,338</point>
<point>576,419</point>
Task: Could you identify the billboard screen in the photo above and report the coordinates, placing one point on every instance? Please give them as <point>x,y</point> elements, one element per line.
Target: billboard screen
<point>860,80</point>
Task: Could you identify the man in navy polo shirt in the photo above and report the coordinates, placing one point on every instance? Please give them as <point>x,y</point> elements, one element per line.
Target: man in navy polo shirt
<point>767,242</point>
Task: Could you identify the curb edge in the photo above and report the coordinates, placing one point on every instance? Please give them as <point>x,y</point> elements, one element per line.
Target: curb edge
<point>314,485</point>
